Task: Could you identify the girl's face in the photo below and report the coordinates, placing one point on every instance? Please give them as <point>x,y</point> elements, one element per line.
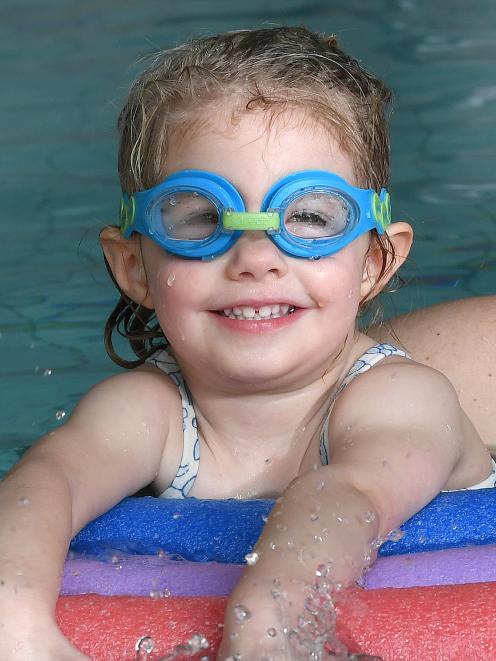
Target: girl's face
<point>307,308</point>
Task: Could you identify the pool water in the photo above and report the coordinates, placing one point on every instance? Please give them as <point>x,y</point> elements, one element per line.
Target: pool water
<point>66,68</point>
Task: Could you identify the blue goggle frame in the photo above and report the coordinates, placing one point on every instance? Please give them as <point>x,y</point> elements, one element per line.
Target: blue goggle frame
<point>141,213</point>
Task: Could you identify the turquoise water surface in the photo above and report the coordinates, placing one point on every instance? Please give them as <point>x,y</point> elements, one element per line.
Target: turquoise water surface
<point>66,67</point>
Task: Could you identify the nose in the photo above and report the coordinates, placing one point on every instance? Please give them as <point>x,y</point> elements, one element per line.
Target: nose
<point>254,257</point>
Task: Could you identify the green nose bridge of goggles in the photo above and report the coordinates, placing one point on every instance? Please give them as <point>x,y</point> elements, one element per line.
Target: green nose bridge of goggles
<point>246,220</point>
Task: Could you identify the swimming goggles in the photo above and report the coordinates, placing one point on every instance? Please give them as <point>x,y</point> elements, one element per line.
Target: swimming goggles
<point>200,215</point>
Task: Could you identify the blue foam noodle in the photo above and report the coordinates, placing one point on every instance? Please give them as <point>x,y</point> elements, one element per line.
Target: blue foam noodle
<point>226,530</point>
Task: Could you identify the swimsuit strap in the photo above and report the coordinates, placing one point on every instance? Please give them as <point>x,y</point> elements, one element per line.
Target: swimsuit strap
<point>190,460</point>
<point>363,364</point>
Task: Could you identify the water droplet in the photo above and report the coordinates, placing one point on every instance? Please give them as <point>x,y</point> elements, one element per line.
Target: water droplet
<point>172,201</point>
<point>176,516</point>
<point>143,647</point>
<point>448,428</point>
<point>252,558</point>
<point>313,516</point>
<point>23,501</point>
<point>273,546</point>
<point>395,535</point>
<point>47,372</point>
<point>241,613</point>
<point>320,485</point>
<point>369,516</point>
<point>198,642</point>
<point>234,657</point>
<point>271,633</point>
<point>59,415</point>
<point>171,279</point>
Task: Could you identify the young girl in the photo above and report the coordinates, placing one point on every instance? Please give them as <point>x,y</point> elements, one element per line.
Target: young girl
<point>255,226</point>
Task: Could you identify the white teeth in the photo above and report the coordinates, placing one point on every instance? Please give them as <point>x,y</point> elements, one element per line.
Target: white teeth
<point>265,312</point>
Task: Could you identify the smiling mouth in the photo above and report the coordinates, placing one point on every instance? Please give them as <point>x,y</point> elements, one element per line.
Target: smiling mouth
<point>248,313</point>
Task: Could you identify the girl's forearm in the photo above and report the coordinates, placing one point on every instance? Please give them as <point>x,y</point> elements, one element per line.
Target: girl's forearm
<point>321,526</point>
<point>319,519</point>
<point>35,530</point>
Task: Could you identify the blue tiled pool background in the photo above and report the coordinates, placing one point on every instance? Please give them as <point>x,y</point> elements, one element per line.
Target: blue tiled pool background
<point>66,67</point>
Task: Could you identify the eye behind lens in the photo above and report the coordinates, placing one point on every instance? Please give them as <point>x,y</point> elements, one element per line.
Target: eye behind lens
<point>318,215</point>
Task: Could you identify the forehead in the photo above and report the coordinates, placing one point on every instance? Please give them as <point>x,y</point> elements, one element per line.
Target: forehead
<point>257,144</point>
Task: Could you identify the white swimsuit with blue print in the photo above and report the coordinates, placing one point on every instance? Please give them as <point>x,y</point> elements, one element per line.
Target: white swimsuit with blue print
<point>190,460</point>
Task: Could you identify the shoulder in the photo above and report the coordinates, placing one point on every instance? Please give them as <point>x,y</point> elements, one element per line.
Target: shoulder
<point>397,392</point>
<point>139,405</point>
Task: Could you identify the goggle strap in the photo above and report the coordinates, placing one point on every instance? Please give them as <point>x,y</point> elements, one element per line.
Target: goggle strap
<point>245,220</point>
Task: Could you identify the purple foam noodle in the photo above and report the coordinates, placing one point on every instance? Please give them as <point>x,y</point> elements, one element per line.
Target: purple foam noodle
<point>158,576</point>
<point>148,575</point>
<point>469,564</point>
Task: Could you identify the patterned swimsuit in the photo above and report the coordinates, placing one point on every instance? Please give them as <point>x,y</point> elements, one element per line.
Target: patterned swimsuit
<point>190,460</point>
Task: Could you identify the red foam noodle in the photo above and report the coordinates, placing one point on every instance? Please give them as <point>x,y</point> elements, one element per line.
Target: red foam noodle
<point>398,624</point>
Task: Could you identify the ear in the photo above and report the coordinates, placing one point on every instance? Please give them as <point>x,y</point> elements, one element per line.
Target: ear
<point>126,263</point>
<point>401,237</point>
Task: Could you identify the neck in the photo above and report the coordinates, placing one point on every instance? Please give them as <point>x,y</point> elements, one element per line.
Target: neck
<point>276,416</point>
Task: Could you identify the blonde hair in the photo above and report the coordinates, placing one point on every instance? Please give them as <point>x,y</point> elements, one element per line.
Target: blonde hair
<point>275,69</point>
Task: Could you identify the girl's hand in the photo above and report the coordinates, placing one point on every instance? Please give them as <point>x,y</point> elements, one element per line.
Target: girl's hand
<point>51,646</point>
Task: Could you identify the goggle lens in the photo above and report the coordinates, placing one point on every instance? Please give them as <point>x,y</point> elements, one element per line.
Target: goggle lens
<point>318,215</point>
<point>186,216</point>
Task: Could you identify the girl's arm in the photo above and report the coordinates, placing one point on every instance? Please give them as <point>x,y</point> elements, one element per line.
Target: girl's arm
<point>398,437</point>
<point>111,446</point>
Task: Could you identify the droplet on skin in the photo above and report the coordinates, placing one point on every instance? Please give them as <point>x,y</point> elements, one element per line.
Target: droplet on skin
<point>395,535</point>
<point>241,613</point>
<point>171,279</point>
<point>252,558</point>
<point>271,633</point>
<point>313,516</point>
<point>369,516</point>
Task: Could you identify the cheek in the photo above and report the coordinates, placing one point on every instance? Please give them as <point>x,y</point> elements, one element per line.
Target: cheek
<point>172,287</point>
<point>337,281</point>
